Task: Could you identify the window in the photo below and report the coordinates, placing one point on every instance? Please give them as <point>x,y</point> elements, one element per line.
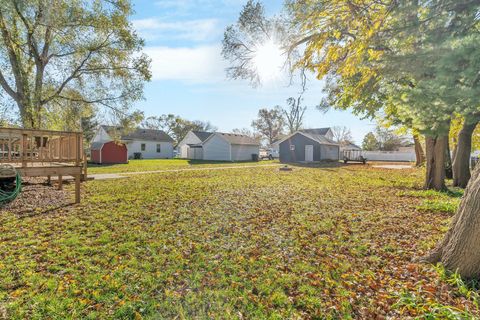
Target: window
<point>159,148</point>
<point>292,147</point>
<point>143,147</point>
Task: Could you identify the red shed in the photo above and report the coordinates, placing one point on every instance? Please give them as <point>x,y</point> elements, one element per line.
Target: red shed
<point>110,152</point>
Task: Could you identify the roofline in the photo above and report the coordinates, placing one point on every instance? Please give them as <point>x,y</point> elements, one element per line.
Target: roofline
<point>306,136</point>
<point>236,144</point>
<point>210,137</point>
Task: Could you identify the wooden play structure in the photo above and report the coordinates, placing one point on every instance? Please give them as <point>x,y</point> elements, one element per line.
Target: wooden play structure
<point>43,153</point>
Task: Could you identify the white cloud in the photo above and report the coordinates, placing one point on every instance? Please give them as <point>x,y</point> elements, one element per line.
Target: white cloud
<point>193,30</point>
<point>202,64</point>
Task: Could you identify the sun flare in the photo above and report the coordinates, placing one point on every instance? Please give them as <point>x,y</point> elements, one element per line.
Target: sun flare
<point>269,61</point>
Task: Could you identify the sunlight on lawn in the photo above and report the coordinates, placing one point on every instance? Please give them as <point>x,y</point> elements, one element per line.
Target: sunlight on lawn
<point>249,243</point>
<point>168,164</point>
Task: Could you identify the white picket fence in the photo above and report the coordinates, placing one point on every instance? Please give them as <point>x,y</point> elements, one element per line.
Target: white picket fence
<point>389,156</point>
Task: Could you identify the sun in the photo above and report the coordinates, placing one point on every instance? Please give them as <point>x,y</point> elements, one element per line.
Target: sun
<point>269,61</point>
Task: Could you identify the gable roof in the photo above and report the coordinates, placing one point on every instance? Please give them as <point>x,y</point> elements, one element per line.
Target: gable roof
<point>237,139</point>
<point>202,135</point>
<point>140,134</point>
<point>318,131</point>
<point>277,141</point>
<point>318,138</point>
<point>317,135</point>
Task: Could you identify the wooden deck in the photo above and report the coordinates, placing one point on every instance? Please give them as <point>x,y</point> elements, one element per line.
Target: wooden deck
<point>43,153</point>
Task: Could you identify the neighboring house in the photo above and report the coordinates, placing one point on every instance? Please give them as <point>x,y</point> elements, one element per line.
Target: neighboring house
<point>192,140</point>
<point>218,146</point>
<point>148,143</point>
<point>309,145</point>
<point>276,145</point>
<point>229,147</point>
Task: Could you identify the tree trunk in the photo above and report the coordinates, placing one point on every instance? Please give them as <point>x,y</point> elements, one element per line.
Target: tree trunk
<point>459,250</point>
<point>436,150</point>
<point>448,162</point>
<point>461,161</point>
<point>419,153</point>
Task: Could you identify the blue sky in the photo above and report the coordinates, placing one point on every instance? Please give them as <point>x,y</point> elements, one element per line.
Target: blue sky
<point>183,39</point>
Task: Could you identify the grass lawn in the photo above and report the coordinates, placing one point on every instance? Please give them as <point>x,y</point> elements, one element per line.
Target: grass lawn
<point>168,164</point>
<point>256,243</point>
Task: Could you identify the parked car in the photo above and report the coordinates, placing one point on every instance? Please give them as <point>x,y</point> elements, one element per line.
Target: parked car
<point>269,154</point>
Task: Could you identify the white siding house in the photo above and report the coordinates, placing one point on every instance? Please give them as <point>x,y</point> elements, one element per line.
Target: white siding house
<point>150,149</point>
<point>276,145</point>
<point>218,146</point>
<point>150,144</point>
<point>230,147</point>
<point>193,139</point>
<point>244,152</point>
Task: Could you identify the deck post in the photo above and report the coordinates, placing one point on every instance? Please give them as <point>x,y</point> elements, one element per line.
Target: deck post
<point>77,188</point>
<point>24,150</point>
<point>60,182</point>
<point>85,168</point>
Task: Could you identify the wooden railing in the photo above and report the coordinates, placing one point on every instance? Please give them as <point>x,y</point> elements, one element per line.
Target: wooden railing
<point>40,146</point>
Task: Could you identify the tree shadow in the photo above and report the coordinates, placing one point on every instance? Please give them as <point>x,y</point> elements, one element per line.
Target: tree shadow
<point>320,165</point>
<point>246,162</point>
<point>36,213</point>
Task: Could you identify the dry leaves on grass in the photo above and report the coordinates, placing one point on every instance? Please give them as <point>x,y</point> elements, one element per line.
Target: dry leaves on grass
<point>245,243</point>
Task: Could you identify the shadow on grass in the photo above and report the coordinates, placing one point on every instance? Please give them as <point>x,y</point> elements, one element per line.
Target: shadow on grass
<point>247,162</point>
<point>36,213</point>
<point>321,165</point>
<point>182,161</point>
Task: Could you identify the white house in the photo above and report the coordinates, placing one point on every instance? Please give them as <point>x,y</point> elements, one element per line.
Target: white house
<point>192,140</point>
<point>229,147</point>
<point>218,146</point>
<point>276,145</point>
<point>148,143</point>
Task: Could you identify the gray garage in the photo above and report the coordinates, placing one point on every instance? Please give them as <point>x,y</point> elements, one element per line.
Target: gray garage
<point>308,146</point>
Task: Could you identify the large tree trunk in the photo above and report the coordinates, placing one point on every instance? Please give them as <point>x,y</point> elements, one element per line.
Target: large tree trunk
<point>459,250</point>
<point>436,150</point>
<point>419,153</point>
<point>448,162</point>
<point>463,150</point>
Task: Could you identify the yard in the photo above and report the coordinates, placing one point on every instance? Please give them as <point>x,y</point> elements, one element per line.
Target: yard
<point>167,164</point>
<point>246,243</point>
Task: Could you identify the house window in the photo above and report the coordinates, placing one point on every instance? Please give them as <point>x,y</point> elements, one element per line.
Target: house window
<point>143,147</point>
<point>292,147</point>
<point>159,148</point>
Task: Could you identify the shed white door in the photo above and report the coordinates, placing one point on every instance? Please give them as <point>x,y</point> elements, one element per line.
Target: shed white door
<point>309,153</point>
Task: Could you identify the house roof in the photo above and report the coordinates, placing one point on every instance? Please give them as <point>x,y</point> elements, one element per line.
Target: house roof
<point>238,139</point>
<point>277,141</point>
<point>202,135</point>
<point>318,131</point>
<point>140,134</point>
<point>319,138</point>
<point>317,135</point>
